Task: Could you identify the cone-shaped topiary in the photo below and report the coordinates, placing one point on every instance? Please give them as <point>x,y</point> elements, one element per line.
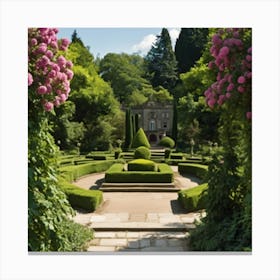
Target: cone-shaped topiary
<point>167,142</point>
<point>140,139</point>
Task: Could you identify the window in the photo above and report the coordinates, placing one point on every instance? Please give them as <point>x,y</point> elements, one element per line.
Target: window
<point>152,125</point>
<point>164,124</point>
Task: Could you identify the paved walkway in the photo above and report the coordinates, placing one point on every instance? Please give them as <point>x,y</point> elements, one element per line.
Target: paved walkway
<point>138,221</point>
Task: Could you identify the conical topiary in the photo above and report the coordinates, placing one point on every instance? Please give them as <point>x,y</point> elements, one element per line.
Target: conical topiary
<point>140,139</point>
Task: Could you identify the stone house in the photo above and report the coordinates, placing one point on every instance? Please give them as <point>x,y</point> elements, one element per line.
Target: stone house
<point>156,119</point>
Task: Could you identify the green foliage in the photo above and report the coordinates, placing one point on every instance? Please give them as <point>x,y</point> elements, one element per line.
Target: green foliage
<point>115,174</point>
<point>142,152</point>
<point>189,47</point>
<point>193,199</point>
<point>167,153</point>
<point>84,199</point>
<point>197,170</point>
<point>175,121</point>
<point>71,173</point>
<point>140,139</point>
<point>124,72</point>
<point>167,142</point>
<point>161,62</point>
<point>141,165</point>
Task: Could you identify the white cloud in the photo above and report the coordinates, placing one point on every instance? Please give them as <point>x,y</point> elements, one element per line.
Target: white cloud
<point>145,45</point>
<point>174,34</point>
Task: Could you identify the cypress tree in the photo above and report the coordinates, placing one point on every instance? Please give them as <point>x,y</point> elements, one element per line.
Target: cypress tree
<point>175,121</point>
<point>161,62</point>
<point>136,122</point>
<point>128,129</point>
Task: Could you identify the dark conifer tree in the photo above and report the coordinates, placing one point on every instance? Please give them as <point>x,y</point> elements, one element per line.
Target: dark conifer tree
<point>161,62</point>
<point>189,47</point>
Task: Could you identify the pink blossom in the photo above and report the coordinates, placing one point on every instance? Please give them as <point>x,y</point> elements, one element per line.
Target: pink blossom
<point>42,48</point>
<point>249,75</point>
<point>248,57</point>
<point>30,79</point>
<point>223,52</point>
<point>56,101</point>
<point>54,45</point>
<point>49,54</point>
<point>52,74</point>
<point>249,50</point>
<point>34,42</point>
<point>63,97</point>
<point>241,80</point>
<point>210,65</point>
<point>48,106</point>
<point>241,89</point>
<point>65,42</point>
<point>228,95</point>
<point>42,90</point>
<point>211,103</point>
<point>249,115</point>
<point>69,74</point>
<point>69,64</point>
<point>61,61</point>
<point>216,39</point>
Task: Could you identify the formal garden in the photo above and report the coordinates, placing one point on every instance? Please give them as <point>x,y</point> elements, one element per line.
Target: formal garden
<point>81,122</point>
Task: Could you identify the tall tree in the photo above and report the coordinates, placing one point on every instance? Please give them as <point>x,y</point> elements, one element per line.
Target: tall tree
<point>161,62</point>
<point>189,47</point>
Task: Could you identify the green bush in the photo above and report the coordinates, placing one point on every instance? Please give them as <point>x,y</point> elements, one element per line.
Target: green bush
<point>193,199</point>
<point>167,153</point>
<point>176,156</point>
<point>167,142</point>
<point>142,152</point>
<point>99,157</point>
<point>197,170</point>
<point>140,139</point>
<point>78,197</point>
<point>141,165</point>
<point>71,173</point>
<point>115,174</point>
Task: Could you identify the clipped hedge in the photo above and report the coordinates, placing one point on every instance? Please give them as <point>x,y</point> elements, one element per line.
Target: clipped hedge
<point>140,139</point>
<point>71,173</point>
<point>141,165</point>
<point>142,152</point>
<point>193,199</point>
<point>167,142</point>
<point>78,197</point>
<point>115,174</point>
<point>194,169</point>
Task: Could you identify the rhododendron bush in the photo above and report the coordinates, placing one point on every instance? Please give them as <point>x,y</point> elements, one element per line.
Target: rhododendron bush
<point>49,75</point>
<point>232,61</point>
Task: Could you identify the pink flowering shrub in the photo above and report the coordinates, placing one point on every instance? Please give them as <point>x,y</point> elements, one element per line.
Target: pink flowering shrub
<point>232,53</point>
<point>49,73</point>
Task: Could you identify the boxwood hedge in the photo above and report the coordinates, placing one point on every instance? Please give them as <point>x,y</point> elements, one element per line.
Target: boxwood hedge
<point>115,174</point>
<point>197,170</point>
<point>193,199</point>
<point>71,173</point>
<point>85,199</point>
<point>141,165</point>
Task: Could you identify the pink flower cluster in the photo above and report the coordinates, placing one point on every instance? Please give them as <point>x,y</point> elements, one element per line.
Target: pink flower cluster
<point>49,74</point>
<point>233,63</point>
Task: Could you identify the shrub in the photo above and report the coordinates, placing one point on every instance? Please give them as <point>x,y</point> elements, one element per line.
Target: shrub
<point>193,199</point>
<point>115,174</point>
<point>167,153</point>
<point>78,197</point>
<point>99,157</point>
<point>177,156</point>
<point>140,139</point>
<point>167,142</point>
<point>142,152</point>
<point>197,170</point>
<point>71,173</point>
<point>141,165</point>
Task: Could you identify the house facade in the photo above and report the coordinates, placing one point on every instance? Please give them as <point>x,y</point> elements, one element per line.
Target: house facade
<point>156,119</point>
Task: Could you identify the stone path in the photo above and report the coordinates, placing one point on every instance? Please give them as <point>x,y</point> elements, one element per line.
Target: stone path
<point>138,221</point>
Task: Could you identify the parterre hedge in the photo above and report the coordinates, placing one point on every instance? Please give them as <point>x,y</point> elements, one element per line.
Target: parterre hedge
<point>78,197</point>
<point>71,173</point>
<point>115,174</point>
<point>141,165</point>
<point>193,199</point>
<point>194,169</point>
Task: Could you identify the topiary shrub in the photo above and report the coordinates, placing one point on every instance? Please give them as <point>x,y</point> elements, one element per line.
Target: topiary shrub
<point>167,153</point>
<point>198,170</point>
<point>141,165</point>
<point>140,139</point>
<point>167,142</point>
<point>142,152</point>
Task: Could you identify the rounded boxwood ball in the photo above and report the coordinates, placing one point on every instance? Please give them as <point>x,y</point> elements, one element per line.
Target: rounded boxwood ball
<point>142,152</point>
<point>167,142</point>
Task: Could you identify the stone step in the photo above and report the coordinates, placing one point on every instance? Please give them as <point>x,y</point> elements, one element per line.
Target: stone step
<point>138,189</point>
<point>141,226</point>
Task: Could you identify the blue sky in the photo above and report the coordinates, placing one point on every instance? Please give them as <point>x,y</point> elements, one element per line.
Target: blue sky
<point>118,40</point>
